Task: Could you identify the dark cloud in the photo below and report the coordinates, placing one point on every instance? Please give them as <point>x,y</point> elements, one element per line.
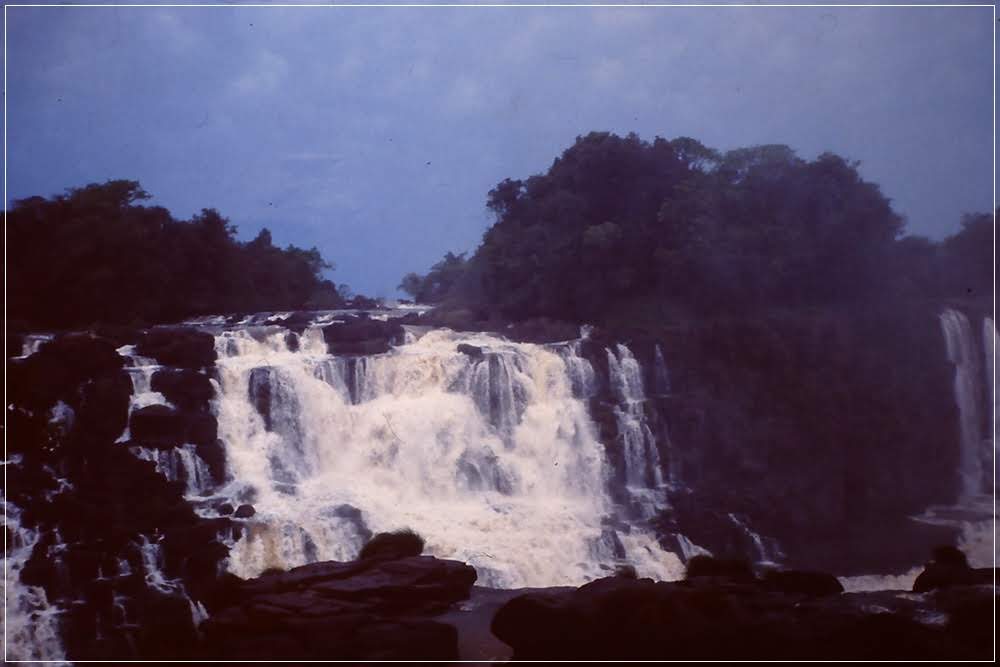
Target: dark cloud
<point>375,133</point>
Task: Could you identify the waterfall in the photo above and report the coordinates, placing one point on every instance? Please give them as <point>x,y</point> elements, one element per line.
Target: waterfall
<point>490,455</point>
<point>963,352</point>
<point>31,622</point>
<point>661,374</point>
<point>990,343</point>
<point>180,464</point>
<point>643,468</point>
<point>32,343</point>
<point>151,553</point>
<point>140,370</point>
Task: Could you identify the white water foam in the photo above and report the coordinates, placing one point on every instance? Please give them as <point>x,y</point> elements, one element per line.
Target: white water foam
<point>492,458</point>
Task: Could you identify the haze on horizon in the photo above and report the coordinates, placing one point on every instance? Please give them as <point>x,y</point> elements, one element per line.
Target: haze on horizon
<point>375,133</point>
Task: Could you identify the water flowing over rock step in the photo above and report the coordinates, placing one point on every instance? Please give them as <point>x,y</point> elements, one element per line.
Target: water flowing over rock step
<point>470,439</point>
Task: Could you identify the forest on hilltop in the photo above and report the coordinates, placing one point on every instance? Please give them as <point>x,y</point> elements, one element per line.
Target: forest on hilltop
<point>618,219</point>
<point>97,254</point>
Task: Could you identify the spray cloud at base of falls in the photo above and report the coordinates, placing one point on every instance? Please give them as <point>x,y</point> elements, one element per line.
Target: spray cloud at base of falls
<point>490,455</point>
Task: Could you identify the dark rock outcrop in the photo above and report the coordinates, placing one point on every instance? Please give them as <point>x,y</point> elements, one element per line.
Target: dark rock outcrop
<point>102,411</point>
<point>58,369</point>
<point>949,567</point>
<point>178,346</point>
<point>401,544</point>
<point>119,548</point>
<point>718,568</point>
<point>366,609</point>
<point>471,351</point>
<point>800,582</point>
<point>213,453</point>
<point>245,512</point>
<point>541,330</point>
<point>164,427</point>
<point>185,388</point>
<point>298,321</point>
<point>708,618</point>
<point>362,336</point>
<point>259,389</point>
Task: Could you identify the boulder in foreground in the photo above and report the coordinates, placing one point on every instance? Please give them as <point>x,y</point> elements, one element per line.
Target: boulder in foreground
<point>718,616</point>
<point>374,609</point>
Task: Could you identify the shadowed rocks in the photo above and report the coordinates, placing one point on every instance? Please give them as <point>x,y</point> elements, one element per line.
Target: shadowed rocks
<point>376,608</point>
<point>164,427</point>
<point>401,544</point>
<point>362,336</point>
<point>185,388</point>
<point>790,615</point>
<point>949,567</point>
<point>178,346</point>
<point>110,526</point>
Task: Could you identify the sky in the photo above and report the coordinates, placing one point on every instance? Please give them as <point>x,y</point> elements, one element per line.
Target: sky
<point>376,133</point>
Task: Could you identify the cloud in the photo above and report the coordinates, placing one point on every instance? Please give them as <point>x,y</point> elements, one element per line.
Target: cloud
<point>266,75</point>
<point>334,113</point>
<point>312,157</point>
<point>465,96</point>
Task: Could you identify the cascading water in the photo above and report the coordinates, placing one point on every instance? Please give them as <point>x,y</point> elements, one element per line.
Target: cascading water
<point>31,622</point>
<point>643,468</point>
<point>32,343</point>
<point>178,464</point>
<point>990,343</point>
<point>975,396</point>
<point>661,374</point>
<point>976,449</point>
<point>488,453</point>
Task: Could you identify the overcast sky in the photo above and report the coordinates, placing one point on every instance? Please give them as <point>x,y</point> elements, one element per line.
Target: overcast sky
<point>375,133</point>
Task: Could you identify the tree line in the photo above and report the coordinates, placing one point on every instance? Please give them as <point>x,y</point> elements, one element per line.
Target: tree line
<point>619,219</point>
<point>98,254</point>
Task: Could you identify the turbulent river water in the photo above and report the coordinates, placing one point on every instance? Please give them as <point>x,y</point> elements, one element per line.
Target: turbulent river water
<point>493,460</point>
<point>492,456</point>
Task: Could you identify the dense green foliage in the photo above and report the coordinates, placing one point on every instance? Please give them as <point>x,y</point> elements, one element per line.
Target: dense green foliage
<point>618,219</point>
<point>439,281</point>
<point>97,254</point>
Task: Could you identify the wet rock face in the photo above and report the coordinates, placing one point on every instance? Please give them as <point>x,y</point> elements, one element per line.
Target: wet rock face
<point>719,618</point>
<point>179,347</point>
<point>185,388</point>
<point>393,545</point>
<point>58,369</point>
<point>365,609</point>
<point>471,351</point>
<point>164,427</point>
<point>949,568</point>
<point>99,510</point>
<point>362,336</point>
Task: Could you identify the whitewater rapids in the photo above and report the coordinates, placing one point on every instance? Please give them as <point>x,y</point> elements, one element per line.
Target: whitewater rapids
<point>492,458</point>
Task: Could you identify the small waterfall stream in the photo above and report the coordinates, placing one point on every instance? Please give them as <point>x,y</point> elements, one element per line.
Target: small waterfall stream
<point>974,397</point>
<point>31,622</point>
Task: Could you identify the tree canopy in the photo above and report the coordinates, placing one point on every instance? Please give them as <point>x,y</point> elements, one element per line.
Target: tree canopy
<point>98,254</point>
<point>619,218</point>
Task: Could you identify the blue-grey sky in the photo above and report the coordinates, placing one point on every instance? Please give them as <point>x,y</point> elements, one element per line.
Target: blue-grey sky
<point>375,133</point>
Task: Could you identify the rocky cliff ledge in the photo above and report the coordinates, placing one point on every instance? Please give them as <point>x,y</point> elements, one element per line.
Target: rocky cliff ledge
<point>723,612</point>
<point>377,608</point>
